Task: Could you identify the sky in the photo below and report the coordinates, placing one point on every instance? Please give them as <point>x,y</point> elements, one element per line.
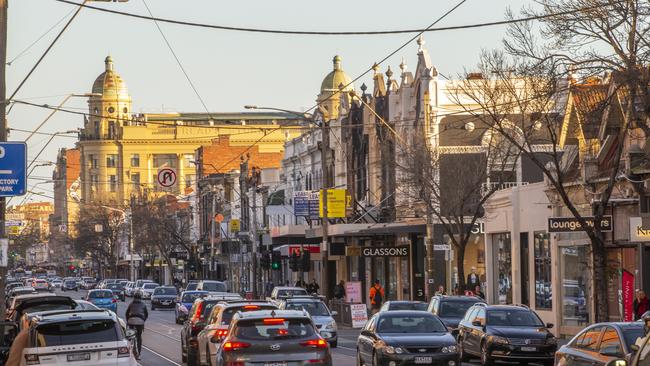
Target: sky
<point>229,69</point>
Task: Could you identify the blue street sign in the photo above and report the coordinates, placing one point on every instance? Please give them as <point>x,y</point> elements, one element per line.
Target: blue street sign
<point>13,169</point>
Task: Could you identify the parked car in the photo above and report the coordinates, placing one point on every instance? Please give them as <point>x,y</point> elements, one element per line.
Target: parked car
<point>600,344</point>
<point>82,338</point>
<point>505,333</point>
<point>451,309</point>
<point>406,337</point>
<point>147,289</point>
<point>184,304</point>
<point>164,297</point>
<point>271,337</point>
<point>217,325</point>
<point>319,312</point>
<point>102,298</point>
<point>404,305</point>
<point>213,287</point>
<point>70,285</point>
<point>117,289</point>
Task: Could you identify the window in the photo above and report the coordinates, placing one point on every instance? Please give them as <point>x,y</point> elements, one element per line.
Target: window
<point>94,182</point>
<point>190,179</point>
<point>112,183</point>
<point>590,339</point>
<point>97,129</point>
<point>480,315</point>
<point>135,180</point>
<point>272,329</point>
<point>165,160</point>
<point>543,297</point>
<point>410,324</point>
<point>502,256</point>
<point>135,160</point>
<point>93,161</point>
<point>188,160</point>
<point>111,129</point>
<point>575,293</point>
<point>111,161</point>
<point>454,309</point>
<point>610,344</point>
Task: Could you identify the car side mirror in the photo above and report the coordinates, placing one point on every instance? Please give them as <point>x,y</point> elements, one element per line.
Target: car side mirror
<point>477,323</point>
<point>634,348</point>
<point>549,325</point>
<point>617,362</point>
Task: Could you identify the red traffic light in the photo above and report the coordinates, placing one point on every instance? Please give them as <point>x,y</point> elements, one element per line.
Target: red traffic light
<point>71,267</point>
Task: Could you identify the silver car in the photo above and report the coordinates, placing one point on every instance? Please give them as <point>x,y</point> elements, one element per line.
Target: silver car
<point>320,314</point>
<point>147,289</point>
<point>275,337</point>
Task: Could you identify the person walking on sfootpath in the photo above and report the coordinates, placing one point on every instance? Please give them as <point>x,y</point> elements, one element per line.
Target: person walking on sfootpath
<point>313,287</point>
<point>136,316</point>
<point>339,290</point>
<point>641,304</point>
<point>376,296</point>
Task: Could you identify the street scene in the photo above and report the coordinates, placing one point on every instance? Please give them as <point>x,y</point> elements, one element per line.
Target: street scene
<point>263,183</point>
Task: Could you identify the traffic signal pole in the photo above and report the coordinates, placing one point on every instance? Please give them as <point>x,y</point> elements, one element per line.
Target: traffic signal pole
<point>3,124</point>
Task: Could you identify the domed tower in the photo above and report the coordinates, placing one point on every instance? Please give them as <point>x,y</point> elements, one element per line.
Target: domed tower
<point>110,106</point>
<point>335,81</point>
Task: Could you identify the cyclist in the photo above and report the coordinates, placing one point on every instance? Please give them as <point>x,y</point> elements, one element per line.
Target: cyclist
<point>136,316</point>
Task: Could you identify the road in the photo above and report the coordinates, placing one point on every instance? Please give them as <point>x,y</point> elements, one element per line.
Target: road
<point>162,345</point>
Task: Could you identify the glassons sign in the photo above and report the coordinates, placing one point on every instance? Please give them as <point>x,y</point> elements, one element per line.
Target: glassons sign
<point>402,251</point>
<point>571,224</point>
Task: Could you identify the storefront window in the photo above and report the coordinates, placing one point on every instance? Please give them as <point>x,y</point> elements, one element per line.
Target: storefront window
<point>392,277</point>
<point>502,252</point>
<point>574,272</point>
<point>406,282</point>
<point>543,297</point>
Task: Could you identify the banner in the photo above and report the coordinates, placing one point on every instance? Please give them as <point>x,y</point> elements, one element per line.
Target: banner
<point>627,289</point>
<point>359,314</point>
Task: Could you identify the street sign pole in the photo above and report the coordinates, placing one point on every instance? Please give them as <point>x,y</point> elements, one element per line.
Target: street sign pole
<point>3,122</point>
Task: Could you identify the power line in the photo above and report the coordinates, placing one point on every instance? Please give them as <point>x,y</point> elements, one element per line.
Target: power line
<point>335,33</point>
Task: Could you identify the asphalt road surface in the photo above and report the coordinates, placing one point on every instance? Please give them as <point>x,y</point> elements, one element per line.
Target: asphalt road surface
<point>162,345</point>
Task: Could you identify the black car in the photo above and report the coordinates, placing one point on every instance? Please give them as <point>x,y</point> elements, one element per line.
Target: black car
<point>195,323</point>
<point>164,297</point>
<point>405,338</point>
<point>451,309</point>
<point>69,285</point>
<point>600,344</point>
<point>117,289</point>
<point>404,305</point>
<point>506,333</point>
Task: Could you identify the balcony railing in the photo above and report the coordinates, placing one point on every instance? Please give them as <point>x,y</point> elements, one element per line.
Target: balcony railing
<point>497,186</point>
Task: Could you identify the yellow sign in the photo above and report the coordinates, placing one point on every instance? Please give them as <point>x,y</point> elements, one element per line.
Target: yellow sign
<point>336,203</point>
<point>234,225</point>
<point>14,230</point>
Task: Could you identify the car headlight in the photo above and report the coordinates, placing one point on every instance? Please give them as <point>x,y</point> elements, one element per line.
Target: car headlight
<point>330,326</point>
<point>449,349</point>
<point>499,340</point>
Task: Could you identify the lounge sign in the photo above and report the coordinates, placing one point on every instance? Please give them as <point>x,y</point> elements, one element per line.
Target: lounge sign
<point>571,224</point>
<point>402,251</point>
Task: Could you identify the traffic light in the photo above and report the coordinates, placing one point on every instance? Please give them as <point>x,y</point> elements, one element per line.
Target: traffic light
<point>294,262</point>
<point>305,260</point>
<point>265,261</point>
<point>276,260</point>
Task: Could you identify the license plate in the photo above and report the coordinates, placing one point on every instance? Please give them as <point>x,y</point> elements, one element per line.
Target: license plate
<point>79,357</point>
<point>165,302</point>
<point>276,364</point>
<point>528,349</point>
<point>423,360</point>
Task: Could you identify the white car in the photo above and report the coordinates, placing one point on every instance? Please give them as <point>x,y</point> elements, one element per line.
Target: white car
<point>129,288</point>
<point>147,289</point>
<point>57,283</point>
<point>84,338</point>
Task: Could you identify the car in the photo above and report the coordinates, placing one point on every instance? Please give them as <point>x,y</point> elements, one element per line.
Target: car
<point>505,333</point>
<point>102,298</point>
<point>185,302</point>
<point>89,337</point>
<point>195,322</point>
<point>69,285</point>
<point>35,303</point>
<point>319,312</point>
<point>41,285</point>
<point>138,285</point>
<point>218,323</point>
<point>404,305</point>
<point>147,289</point>
<point>164,297</point>
<point>88,284</point>
<point>406,337</point>
<point>282,292</point>
<point>192,285</point>
<point>600,344</point>
<point>128,288</point>
<point>273,337</point>
<point>213,287</point>
<point>451,309</point>
<point>118,290</point>
<point>85,305</point>
<point>57,283</point>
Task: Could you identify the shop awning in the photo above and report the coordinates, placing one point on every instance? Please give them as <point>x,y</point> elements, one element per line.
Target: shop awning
<point>334,230</point>
<point>389,229</point>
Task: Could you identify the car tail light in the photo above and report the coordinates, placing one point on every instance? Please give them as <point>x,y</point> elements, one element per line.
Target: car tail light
<point>123,352</point>
<point>315,343</point>
<point>234,346</point>
<point>251,307</point>
<point>235,363</point>
<point>32,360</point>
<point>274,321</point>
<point>316,361</point>
<point>114,300</point>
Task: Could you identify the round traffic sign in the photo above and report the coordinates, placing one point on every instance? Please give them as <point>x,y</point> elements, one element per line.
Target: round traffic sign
<point>218,218</point>
<point>166,177</point>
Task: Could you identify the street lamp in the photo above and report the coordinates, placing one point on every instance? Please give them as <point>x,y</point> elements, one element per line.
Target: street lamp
<point>65,100</point>
<point>302,115</point>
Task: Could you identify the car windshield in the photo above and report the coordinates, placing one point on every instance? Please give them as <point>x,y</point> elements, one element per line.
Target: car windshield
<point>214,287</point>
<point>64,334</point>
<point>70,282</point>
<point>313,308</point>
<point>410,324</point>
<point>287,293</point>
<point>274,328</point>
<point>191,297</point>
<point>114,286</point>
<point>165,291</point>
<point>150,286</point>
<point>191,286</point>
<point>230,312</point>
<point>454,309</point>
<point>408,306</point>
<point>100,294</point>
<point>513,318</point>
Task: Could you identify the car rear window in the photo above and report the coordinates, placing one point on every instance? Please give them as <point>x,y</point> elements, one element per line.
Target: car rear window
<point>409,306</point>
<point>274,328</point>
<point>149,286</point>
<point>191,297</point>
<point>454,309</point>
<point>77,332</point>
<point>100,294</point>
<point>48,307</point>
<point>207,308</point>
<point>214,287</point>
<point>191,286</point>
<point>287,293</point>
<point>230,312</point>
<point>313,308</point>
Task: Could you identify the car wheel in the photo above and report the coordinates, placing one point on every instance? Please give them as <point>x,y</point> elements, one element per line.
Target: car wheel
<point>486,360</point>
<point>359,361</point>
<point>191,358</point>
<point>461,351</point>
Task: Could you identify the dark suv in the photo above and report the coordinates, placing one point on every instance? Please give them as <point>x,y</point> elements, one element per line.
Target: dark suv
<point>451,309</point>
<point>507,333</point>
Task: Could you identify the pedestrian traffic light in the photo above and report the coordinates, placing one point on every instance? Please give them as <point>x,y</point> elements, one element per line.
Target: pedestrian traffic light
<point>294,262</point>
<point>265,261</point>
<point>305,260</point>
<point>276,260</point>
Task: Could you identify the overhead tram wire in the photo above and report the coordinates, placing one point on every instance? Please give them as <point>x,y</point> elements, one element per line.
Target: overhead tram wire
<point>337,33</point>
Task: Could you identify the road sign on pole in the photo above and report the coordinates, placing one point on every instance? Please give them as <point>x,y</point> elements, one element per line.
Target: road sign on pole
<point>13,169</point>
<point>166,177</point>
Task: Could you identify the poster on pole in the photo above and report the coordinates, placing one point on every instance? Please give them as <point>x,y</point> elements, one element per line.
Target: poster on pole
<point>627,289</point>
<point>4,247</point>
<point>359,314</point>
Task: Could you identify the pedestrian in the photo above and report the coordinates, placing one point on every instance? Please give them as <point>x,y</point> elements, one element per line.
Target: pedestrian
<point>313,288</point>
<point>473,279</point>
<point>376,296</point>
<point>641,304</point>
<point>136,316</point>
<point>268,288</point>
<point>339,290</point>
<point>478,292</point>
<point>441,290</point>
<point>300,283</point>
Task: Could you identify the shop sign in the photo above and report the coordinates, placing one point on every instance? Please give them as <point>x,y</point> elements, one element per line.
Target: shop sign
<point>336,203</point>
<point>385,252</point>
<point>638,232</point>
<point>353,292</point>
<point>359,314</point>
<point>441,247</point>
<point>313,249</point>
<point>306,203</point>
<point>571,224</point>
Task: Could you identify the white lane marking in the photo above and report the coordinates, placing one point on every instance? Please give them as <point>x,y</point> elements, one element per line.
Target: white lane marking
<point>161,356</point>
<point>163,334</point>
<point>349,349</point>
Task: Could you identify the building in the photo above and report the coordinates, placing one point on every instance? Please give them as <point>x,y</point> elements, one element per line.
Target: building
<point>66,191</point>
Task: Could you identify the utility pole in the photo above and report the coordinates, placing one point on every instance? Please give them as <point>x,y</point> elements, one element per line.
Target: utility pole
<point>3,122</point>
<point>244,223</point>
<point>325,147</point>
<point>255,237</point>
<point>131,250</point>
<point>212,229</point>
